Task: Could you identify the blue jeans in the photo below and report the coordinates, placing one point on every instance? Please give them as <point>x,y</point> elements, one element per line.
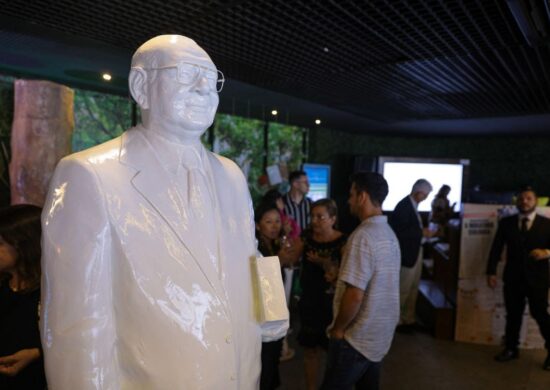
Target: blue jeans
<point>347,367</point>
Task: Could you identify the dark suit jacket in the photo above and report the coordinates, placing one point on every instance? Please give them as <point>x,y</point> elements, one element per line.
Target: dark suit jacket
<point>520,268</point>
<point>404,223</point>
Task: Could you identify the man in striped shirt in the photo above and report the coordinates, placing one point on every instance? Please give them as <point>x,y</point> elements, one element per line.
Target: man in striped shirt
<point>297,204</point>
<point>366,301</point>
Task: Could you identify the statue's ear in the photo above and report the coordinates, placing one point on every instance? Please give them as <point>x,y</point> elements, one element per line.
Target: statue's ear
<point>137,81</point>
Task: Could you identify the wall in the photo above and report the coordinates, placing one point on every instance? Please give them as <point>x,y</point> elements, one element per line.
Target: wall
<point>497,163</point>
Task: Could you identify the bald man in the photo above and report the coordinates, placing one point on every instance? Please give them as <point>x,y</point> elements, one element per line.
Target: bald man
<point>147,245</point>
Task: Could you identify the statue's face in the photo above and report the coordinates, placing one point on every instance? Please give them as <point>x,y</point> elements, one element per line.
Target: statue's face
<point>183,93</point>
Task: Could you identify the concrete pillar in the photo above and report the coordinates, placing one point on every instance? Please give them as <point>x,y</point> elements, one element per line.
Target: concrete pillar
<point>43,122</point>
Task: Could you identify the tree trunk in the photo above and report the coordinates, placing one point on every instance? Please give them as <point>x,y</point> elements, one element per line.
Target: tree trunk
<point>43,123</point>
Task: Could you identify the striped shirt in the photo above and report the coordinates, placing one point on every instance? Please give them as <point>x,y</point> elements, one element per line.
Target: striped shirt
<point>299,212</point>
<point>371,262</point>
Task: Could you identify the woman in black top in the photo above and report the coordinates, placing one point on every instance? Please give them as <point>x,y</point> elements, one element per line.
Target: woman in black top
<point>21,364</point>
<point>323,246</point>
<point>272,242</point>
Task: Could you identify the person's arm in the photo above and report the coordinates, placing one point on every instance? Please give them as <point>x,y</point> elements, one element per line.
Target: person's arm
<point>77,325</point>
<point>356,272</point>
<point>404,222</point>
<point>13,364</point>
<point>314,257</point>
<point>543,252</point>
<point>349,307</point>
<point>494,257</point>
<point>540,254</point>
<point>398,218</point>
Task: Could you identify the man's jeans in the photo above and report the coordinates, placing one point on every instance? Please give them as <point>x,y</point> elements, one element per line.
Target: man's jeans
<point>347,367</point>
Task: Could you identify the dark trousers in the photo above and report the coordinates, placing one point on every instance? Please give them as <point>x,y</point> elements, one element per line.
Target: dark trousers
<point>271,353</point>
<point>515,296</point>
<point>347,367</point>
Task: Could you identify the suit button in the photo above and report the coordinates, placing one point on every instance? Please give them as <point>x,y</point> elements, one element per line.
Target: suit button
<point>233,377</point>
<point>228,339</point>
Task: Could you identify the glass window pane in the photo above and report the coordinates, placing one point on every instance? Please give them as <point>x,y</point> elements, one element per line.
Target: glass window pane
<point>99,117</point>
<point>241,140</point>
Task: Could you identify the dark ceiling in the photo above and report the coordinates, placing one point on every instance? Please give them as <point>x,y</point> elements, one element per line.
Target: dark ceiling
<point>409,66</point>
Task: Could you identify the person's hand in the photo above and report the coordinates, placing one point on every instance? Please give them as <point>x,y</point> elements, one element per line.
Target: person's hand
<point>314,257</point>
<point>428,233</point>
<point>287,227</point>
<point>287,255</point>
<point>13,364</point>
<point>540,254</point>
<point>336,334</point>
<point>492,281</point>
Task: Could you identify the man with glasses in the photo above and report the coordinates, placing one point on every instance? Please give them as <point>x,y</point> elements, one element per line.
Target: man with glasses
<point>151,287</point>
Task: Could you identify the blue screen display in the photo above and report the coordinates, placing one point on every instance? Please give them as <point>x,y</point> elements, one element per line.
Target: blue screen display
<point>319,180</point>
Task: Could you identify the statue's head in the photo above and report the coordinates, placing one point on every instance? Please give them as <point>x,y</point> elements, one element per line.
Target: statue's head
<point>176,85</point>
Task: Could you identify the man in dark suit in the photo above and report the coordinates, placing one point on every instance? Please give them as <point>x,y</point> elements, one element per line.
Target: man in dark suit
<point>407,225</point>
<point>527,239</point>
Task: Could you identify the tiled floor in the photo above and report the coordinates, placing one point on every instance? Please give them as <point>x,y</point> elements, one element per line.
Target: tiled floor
<point>419,362</point>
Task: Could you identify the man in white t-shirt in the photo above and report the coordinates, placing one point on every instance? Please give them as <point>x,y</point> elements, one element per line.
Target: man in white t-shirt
<point>366,302</point>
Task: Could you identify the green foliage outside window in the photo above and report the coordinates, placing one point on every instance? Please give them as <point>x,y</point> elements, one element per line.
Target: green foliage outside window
<point>98,118</point>
<point>101,117</point>
<point>241,140</point>
<point>285,145</point>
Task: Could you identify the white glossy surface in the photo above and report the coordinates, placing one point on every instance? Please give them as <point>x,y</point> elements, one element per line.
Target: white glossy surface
<point>269,275</point>
<point>147,264</point>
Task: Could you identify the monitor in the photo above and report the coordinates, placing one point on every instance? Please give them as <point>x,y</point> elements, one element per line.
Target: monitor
<point>319,180</point>
<point>402,172</point>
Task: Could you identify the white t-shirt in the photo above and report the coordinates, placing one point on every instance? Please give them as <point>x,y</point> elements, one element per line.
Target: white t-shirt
<point>371,262</point>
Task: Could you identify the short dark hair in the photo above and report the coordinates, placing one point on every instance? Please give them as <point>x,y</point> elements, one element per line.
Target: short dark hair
<point>20,228</point>
<point>271,196</point>
<point>328,204</point>
<point>444,188</point>
<point>372,183</point>
<point>294,175</point>
<point>262,209</point>
<point>527,189</point>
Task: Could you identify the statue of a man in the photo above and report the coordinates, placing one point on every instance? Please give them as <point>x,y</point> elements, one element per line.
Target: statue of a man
<point>147,245</point>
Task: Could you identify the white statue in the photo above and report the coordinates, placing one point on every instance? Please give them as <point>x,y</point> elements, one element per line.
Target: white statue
<point>147,246</point>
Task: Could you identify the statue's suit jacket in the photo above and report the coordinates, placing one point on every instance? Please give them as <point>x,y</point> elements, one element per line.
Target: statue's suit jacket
<point>130,299</point>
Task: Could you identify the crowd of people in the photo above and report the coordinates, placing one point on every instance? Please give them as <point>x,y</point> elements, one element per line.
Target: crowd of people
<point>354,291</point>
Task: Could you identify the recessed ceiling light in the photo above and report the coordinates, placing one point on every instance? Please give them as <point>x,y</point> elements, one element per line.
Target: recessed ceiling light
<point>106,76</point>
<point>325,49</point>
<point>317,121</point>
<point>274,112</point>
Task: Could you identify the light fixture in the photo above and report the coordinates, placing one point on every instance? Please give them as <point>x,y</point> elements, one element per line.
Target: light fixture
<point>274,112</point>
<point>106,77</point>
<point>317,121</point>
<point>325,49</point>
